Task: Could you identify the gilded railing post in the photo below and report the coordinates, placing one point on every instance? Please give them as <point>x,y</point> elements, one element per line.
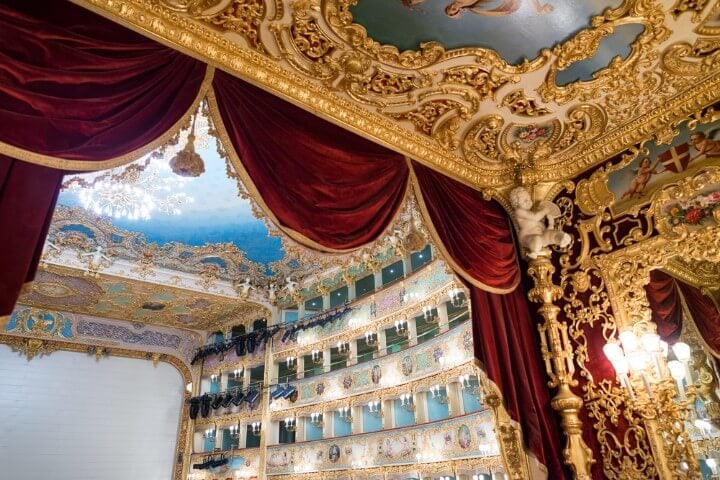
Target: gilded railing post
<point>536,231</point>
<point>558,355</point>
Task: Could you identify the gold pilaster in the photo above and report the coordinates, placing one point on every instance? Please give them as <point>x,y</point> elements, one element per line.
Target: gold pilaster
<point>558,355</point>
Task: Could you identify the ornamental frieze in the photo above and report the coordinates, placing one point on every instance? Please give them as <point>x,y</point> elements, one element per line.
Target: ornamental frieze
<point>462,106</point>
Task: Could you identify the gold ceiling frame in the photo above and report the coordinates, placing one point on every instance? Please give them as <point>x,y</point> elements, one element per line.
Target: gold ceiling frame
<point>33,347</point>
<point>627,271</point>
<point>151,288</point>
<point>311,54</point>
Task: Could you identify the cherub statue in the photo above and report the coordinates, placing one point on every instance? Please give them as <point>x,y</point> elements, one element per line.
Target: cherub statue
<point>290,285</point>
<point>272,296</point>
<point>95,263</point>
<point>534,233</point>
<point>244,288</point>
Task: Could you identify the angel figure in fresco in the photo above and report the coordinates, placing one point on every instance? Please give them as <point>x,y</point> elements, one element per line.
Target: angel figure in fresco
<point>244,288</point>
<point>456,8</point>
<point>705,145</point>
<point>534,233</point>
<point>642,176</point>
<point>96,260</point>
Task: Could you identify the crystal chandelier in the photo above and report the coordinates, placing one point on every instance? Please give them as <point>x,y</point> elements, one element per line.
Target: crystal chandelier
<point>138,198</point>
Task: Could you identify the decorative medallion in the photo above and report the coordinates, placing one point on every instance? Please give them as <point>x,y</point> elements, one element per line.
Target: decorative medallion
<point>406,366</point>
<point>376,374</point>
<point>464,436</point>
<point>334,453</point>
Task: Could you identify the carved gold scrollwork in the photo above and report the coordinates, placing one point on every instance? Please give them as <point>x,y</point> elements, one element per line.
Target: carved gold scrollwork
<point>521,104</point>
<point>692,60</point>
<point>689,6</point>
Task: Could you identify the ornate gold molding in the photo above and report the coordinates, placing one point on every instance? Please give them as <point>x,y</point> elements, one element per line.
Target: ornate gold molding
<point>433,104</point>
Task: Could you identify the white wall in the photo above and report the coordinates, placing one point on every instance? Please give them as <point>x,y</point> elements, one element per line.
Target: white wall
<point>67,416</point>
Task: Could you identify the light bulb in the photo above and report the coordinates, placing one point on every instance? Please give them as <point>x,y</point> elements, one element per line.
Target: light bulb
<point>677,370</point>
<point>682,351</point>
<point>613,352</point>
<point>651,342</point>
<point>629,340</point>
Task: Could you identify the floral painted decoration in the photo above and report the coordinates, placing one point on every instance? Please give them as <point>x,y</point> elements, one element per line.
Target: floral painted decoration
<point>530,133</point>
<point>347,382</point>
<point>695,211</point>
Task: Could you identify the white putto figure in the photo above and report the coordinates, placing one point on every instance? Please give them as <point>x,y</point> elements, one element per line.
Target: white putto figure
<point>290,285</point>
<point>535,232</point>
<point>245,288</point>
<point>95,263</point>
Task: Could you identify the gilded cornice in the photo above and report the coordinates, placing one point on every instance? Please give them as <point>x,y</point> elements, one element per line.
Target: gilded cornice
<point>460,111</point>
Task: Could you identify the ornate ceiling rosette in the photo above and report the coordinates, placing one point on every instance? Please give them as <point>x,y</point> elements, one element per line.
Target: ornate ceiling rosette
<point>489,110</point>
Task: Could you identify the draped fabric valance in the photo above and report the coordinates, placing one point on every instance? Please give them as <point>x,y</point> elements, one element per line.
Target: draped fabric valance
<point>78,92</point>
<point>666,295</point>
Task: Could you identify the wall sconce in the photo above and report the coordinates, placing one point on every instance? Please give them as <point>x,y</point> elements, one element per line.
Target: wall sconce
<point>343,348</point>
<point>255,428</point>
<point>291,363</point>
<point>401,327</point>
<point>317,357</point>
<point>344,414</point>
<point>457,297</point>
<point>316,420</point>
<point>406,402</point>
<point>642,369</point>
<point>209,434</point>
<point>371,338</point>
<point>438,395</point>
<point>234,431</point>
<point>237,373</point>
<point>213,378</point>
<point>290,424</point>
<point>374,409</point>
<point>430,314</point>
<point>409,297</point>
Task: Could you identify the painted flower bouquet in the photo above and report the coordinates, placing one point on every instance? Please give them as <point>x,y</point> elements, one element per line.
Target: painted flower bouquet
<point>695,211</point>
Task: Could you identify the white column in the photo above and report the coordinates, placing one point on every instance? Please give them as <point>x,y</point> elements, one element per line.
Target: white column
<point>381,344</point>
<point>357,420</point>
<point>242,439</point>
<point>271,434</point>
<point>455,403</point>
<point>327,356</point>
<point>407,265</point>
<point>412,331</point>
<point>326,301</point>
<point>388,419</point>
<point>300,362</point>
<point>301,311</point>
<point>301,428</point>
<point>443,320</point>
<point>421,407</point>
<point>352,358</point>
<point>351,290</point>
<point>328,423</point>
<point>378,278</point>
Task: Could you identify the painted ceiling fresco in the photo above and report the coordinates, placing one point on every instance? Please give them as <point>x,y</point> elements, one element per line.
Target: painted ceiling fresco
<point>70,290</point>
<point>516,29</point>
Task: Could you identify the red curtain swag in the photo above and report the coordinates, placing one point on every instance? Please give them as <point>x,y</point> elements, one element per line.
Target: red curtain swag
<point>76,86</point>
<point>328,185</point>
<point>665,294</point>
<point>477,237</point>
<point>77,91</point>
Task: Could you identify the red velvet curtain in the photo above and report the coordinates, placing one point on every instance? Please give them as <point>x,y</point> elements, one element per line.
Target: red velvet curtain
<point>666,305</point>
<point>329,185</point>
<point>705,314</point>
<point>79,90</point>
<point>477,237</point>
<point>665,294</point>
<point>27,198</point>
<point>76,86</point>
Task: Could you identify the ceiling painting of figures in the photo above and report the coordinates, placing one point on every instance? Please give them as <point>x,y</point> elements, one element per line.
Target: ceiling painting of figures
<point>516,29</point>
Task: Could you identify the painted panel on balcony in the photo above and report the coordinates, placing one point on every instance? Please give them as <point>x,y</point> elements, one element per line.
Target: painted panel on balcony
<point>462,437</point>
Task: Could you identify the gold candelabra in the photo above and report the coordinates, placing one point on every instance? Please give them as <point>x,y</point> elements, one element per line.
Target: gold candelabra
<point>657,394</point>
<point>558,355</point>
